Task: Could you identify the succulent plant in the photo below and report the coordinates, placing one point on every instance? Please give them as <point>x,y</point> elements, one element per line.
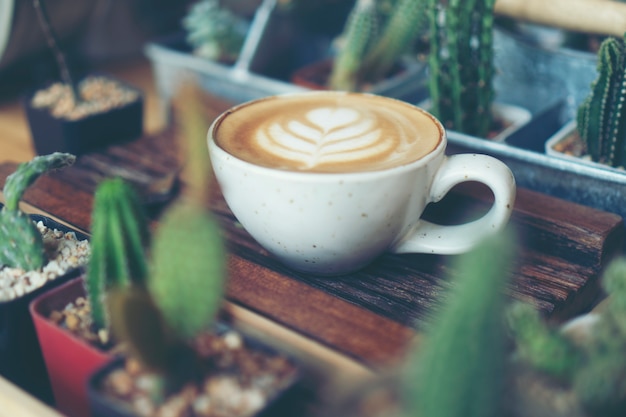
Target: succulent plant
<point>21,244</point>
<point>601,118</point>
<point>214,31</point>
<point>461,64</point>
<point>120,238</point>
<point>377,33</point>
<point>538,345</point>
<point>187,270</point>
<point>595,368</point>
<point>459,367</point>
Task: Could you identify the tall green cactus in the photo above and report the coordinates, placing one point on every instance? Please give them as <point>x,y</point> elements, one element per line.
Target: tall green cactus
<point>119,240</point>
<point>374,40</point>
<point>461,64</point>
<point>187,270</point>
<point>601,118</point>
<point>21,244</point>
<point>459,368</point>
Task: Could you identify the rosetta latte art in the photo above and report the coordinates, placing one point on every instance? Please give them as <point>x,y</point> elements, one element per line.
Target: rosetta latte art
<point>332,135</point>
<point>328,132</point>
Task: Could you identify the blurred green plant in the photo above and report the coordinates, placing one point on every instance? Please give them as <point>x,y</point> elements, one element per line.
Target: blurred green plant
<point>376,35</point>
<point>214,31</point>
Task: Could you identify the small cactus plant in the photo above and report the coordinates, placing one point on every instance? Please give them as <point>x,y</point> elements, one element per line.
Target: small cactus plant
<point>120,237</point>
<point>459,367</point>
<point>377,33</point>
<point>21,244</point>
<point>187,271</point>
<point>595,369</point>
<point>601,118</point>
<point>461,64</point>
<point>214,31</point>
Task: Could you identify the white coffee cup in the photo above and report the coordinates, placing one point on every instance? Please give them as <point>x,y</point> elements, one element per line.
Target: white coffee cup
<point>335,220</point>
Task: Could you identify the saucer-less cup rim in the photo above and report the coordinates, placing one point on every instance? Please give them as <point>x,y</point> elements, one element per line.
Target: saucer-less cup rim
<point>317,176</point>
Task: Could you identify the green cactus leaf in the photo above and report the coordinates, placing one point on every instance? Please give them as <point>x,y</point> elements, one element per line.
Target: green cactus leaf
<point>22,244</point>
<point>188,269</point>
<point>28,172</point>
<point>120,237</point>
<point>361,28</point>
<point>458,370</point>
<point>544,348</point>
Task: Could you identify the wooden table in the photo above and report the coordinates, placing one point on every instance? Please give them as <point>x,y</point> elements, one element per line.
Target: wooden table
<point>355,325</point>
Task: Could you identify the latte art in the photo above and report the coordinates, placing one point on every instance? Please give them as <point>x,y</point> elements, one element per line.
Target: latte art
<point>328,133</point>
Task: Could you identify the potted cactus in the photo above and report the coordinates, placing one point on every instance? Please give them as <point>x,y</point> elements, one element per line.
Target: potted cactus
<point>373,51</point>
<point>169,322</point>
<point>36,254</point>
<point>457,366</point>
<point>581,363</point>
<point>597,133</point>
<point>462,71</point>
<point>72,321</point>
<point>79,116</point>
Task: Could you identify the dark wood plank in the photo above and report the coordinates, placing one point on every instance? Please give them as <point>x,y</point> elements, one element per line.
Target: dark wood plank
<point>370,315</point>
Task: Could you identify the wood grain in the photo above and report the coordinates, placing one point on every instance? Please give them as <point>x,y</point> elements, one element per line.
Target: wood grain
<point>370,315</point>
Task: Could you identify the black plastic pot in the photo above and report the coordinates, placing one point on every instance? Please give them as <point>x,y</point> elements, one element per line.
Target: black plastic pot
<point>94,131</point>
<point>21,361</point>
<point>290,401</point>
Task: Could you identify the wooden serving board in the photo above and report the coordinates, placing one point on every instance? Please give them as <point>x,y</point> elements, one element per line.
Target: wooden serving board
<point>370,315</point>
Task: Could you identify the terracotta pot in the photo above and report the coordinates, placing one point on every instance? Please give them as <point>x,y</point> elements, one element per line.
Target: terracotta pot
<point>21,360</point>
<point>69,359</point>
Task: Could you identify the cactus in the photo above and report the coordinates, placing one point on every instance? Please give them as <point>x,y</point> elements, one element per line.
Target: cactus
<point>361,28</point>
<point>120,237</point>
<point>461,64</point>
<point>374,40</point>
<point>600,383</point>
<point>21,244</point>
<point>214,31</point>
<point>595,368</point>
<point>186,273</point>
<point>459,368</point>
<point>601,118</point>
<point>549,351</point>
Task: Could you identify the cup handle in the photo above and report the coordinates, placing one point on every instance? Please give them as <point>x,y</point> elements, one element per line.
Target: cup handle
<point>427,237</point>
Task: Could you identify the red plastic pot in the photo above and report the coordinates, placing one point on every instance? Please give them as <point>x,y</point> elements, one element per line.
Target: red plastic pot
<point>69,360</point>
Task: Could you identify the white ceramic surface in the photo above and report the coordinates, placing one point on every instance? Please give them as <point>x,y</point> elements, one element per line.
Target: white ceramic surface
<point>331,224</point>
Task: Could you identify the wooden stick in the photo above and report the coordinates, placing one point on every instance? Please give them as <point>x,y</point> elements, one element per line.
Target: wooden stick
<point>601,17</point>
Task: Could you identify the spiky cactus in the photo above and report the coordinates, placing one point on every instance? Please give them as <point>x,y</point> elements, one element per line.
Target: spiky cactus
<point>601,118</point>
<point>214,31</point>
<point>21,244</point>
<point>594,368</point>
<point>461,64</point>
<point>459,368</point>
<point>187,271</point>
<point>538,345</point>
<point>374,40</point>
<point>120,237</point>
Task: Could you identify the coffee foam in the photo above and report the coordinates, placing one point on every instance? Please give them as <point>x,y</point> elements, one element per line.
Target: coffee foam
<point>328,133</point>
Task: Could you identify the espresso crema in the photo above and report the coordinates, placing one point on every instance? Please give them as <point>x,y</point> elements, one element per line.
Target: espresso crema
<point>328,132</point>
